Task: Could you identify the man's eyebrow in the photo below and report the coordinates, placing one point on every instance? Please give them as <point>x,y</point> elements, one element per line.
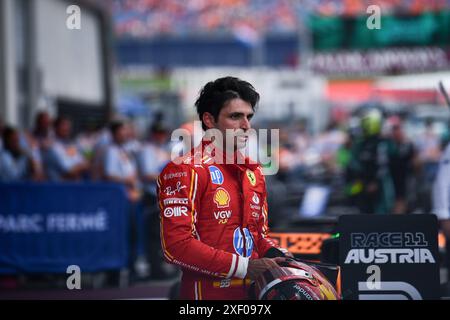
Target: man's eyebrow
<point>241,114</point>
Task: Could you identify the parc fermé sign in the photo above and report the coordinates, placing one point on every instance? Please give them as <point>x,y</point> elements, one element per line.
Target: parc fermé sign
<point>385,257</point>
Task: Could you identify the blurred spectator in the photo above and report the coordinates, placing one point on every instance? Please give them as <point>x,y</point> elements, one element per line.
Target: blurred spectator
<point>42,132</point>
<point>441,202</point>
<point>369,166</point>
<point>153,157</point>
<point>287,157</point>
<point>402,164</point>
<point>104,139</point>
<point>133,145</point>
<point>87,140</point>
<point>15,163</point>
<point>119,166</point>
<point>301,140</point>
<point>327,145</point>
<point>429,151</point>
<point>64,160</point>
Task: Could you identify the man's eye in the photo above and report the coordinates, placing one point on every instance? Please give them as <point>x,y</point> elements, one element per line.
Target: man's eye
<point>234,116</point>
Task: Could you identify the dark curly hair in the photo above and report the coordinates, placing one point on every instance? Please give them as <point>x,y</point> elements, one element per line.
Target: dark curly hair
<point>216,94</point>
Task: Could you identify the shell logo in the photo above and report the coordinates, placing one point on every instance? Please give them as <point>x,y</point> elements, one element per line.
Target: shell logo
<point>222,198</point>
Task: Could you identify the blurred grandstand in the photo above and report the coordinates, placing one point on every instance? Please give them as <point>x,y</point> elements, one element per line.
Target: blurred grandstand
<point>244,18</point>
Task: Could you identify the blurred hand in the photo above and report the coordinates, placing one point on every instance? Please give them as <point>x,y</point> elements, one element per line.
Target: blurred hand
<point>257,266</point>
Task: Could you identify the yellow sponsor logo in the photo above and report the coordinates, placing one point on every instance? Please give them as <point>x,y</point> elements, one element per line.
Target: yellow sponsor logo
<point>251,177</point>
<point>327,293</point>
<point>222,198</point>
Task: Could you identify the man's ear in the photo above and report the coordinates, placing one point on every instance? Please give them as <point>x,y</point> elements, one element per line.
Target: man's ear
<point>208,120</point>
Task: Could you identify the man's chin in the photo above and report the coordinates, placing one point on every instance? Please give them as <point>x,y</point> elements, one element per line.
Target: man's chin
<point>241,143</point>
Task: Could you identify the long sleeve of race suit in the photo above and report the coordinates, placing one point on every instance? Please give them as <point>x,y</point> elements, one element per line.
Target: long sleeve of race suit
<point>178,187</point>
<point>264,243</point>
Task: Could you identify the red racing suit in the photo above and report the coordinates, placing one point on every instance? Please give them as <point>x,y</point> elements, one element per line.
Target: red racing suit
<point>213,220</point>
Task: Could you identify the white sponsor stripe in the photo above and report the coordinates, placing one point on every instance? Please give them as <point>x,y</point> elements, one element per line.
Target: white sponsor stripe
<point>195,187</point>
<point>233,265</point>
<point>195,290</point>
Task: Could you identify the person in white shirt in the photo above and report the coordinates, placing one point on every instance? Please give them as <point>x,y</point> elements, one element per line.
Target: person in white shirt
<point>441,201</point>
<point>64,161</point>
<point>120,167</point>
<point>153,157</point>
<point>15,164</point>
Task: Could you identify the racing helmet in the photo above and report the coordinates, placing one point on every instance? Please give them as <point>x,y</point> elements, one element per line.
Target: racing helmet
<point>294,280</point>
<point>371,122</point>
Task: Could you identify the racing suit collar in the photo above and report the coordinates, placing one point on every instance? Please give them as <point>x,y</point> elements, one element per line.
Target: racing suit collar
<point>213,151</point>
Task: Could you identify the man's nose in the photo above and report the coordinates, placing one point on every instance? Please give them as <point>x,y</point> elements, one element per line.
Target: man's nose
<point>245,124</point>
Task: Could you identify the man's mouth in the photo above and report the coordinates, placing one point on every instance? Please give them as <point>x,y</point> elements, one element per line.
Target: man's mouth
<point>242,137</point>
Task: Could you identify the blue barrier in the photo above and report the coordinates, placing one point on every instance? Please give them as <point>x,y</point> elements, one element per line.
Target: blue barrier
<point>47,227</point>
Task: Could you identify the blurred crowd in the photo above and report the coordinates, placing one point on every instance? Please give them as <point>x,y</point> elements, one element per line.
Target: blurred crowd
<point>374,161</point>
<point>49,152</point>
<point>149,18</point>
<point>367,150</point>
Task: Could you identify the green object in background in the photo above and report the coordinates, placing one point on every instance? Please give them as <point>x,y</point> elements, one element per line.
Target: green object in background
<point>356,188</point>
<point>343,157</point>
<point>371,122</point>
<point>145,83</point>
<point>328,32</point>
<point>352,33</point>
<point>415,31</point>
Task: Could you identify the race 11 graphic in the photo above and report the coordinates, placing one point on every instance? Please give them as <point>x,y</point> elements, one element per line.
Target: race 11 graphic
<point>389,257</point>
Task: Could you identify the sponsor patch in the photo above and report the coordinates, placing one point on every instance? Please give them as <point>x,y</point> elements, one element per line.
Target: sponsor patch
<point>170,191</point>
<point>225,283</point>
<point>241,238</point>
<point>178,175</point>
<point>216,175</point>
<point>255,215</point>
<point>175,212</point>
<point>222,198</point>
<point>225,214</point>
<point>255,198</point>
<point>170,201</point>
<point>251,177</point>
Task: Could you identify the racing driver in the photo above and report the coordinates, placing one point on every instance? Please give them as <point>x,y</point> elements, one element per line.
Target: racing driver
<point>213,207</point>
